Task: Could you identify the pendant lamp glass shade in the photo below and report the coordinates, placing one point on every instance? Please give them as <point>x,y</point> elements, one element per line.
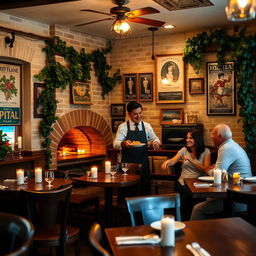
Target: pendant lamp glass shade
<point>240,10</point>
<point>120,29</point>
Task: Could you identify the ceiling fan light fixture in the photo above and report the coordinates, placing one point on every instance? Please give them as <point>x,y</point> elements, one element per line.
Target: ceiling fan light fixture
<point>169,26</point>
<point>121,27</point>
<point>241,10</point>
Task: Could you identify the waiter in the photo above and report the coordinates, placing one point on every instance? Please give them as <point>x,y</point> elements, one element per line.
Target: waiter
<point>127,139</point>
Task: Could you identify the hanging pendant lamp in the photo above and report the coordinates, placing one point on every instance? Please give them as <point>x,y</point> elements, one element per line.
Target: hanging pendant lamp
<point>153,29</point>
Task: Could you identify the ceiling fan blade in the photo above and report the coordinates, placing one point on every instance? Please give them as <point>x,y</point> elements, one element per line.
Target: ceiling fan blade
<point>154,23</point>
<point>13,4</point>
<point>91,22</point>
<point>89,10</point>
<point>142,11</point>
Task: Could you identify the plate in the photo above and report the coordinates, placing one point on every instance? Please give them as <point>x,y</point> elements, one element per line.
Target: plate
<point>206,178</point>
<point>178,225</point>
<point>250,179</point>
<point>138,145</point>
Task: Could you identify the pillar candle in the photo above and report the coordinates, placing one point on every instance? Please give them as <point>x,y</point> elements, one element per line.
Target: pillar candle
<point>107,166</point>
<point>167,232</point>
<point>38,175</point>
<point>94,172</point>
<point>20,176</point>
<point>19,142</point>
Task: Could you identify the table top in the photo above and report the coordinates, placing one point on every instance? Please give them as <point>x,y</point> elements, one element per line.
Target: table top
<point>219,191</point>
<point>31,185</point>
<point>105,180</point>
<point>229,236</point>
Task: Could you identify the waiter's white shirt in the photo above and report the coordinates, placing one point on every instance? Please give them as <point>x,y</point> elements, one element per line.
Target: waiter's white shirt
<point>122,133</point>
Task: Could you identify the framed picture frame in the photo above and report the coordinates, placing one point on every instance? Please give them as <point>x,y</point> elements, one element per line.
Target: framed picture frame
<point>81,93</point>
<point>145,90</point>
<point>130,87</point>
<point>115,123</point>
<point>221,89</point>
<point>196,86</point>
<point>117,110</point>
<point>167,115</point>
<point>38,88</point>
<point>170,86</point>
<point>10,93</point>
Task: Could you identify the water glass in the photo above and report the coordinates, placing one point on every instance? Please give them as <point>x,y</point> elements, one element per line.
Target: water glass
<point>49,177</point>
<point>125,168</point>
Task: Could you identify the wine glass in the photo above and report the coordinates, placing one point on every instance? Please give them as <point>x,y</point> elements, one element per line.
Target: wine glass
<point>49,177</point>
<point>113,171</point>
<point>125,168</point>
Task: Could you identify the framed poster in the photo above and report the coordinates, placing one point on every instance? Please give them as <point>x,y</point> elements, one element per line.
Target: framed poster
<point>145,90</point>
<point>170,79</point>
<point>196,86</point>
<point>38,88</point>
<point>10,93</point>
<point>81,93</point>
<point>221,89</point>
<point>118,110</point>
<point>116,123</point>
<point>130,87</point>
<point>168,115</point>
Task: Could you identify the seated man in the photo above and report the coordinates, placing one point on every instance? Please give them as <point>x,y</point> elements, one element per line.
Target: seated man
<point>231,157</point>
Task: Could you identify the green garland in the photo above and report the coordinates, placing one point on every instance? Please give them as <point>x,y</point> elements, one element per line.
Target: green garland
<point>56,76</point>
<point>242,48</point>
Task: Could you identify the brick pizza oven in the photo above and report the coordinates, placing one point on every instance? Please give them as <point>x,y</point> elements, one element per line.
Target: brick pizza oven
<point>80,134</point>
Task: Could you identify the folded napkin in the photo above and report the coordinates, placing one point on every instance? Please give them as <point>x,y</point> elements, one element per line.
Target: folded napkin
<point>10,180</point>
<point>202,185</point>
<point>126,240</point>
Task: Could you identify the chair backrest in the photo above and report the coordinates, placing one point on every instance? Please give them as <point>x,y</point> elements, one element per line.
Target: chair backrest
<point>16,234</point>
<point>152,207</point>
<point>47,208</point>
<point>95,237</point>
<point>247,198</point>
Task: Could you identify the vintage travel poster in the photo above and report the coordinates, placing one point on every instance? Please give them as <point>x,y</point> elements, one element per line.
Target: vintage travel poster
<point>10,94</point>
<point>220,89</point>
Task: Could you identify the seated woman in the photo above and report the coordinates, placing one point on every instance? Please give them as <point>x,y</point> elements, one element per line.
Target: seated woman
<point>195,160</point>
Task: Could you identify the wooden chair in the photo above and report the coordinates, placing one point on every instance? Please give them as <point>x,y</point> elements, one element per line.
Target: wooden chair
<point>48,211</point>
<point>95,237</point>
<point>247,198</point>
<point>152,207</point>
<point>79,201</point>
<point>16,234</point>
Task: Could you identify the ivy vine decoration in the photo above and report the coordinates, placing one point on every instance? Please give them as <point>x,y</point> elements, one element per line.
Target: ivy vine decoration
<point>55,75</point>
<point>242,51</point>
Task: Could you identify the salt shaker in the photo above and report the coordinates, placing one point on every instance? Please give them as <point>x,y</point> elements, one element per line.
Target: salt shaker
<point>167,231</point>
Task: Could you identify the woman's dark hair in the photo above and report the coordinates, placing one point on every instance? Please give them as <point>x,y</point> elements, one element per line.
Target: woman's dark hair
<point>133,105</point>
<point>199,142</point>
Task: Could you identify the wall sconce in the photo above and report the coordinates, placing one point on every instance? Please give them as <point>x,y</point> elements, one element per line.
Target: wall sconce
<point>10,41</point>
<point>240,10</point>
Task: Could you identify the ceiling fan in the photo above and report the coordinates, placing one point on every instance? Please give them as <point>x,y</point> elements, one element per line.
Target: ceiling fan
<point>121,12</point>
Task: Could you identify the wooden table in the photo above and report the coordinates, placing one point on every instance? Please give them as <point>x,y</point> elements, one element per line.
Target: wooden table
<point>220,237</point>
<point>218,191</point>
<point>106,181</point>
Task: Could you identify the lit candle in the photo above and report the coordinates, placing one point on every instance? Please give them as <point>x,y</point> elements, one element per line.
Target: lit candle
<point>20,176</point>
<point>19,142</point>
<point>167,231</point>
<point>107,166</point>
<point>38,175</point>
<point>94,172</point>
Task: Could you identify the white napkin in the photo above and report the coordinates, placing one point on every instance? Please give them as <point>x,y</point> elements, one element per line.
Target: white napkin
<point>10,180</point>
<point>202,185</point>
<point>126,240</point>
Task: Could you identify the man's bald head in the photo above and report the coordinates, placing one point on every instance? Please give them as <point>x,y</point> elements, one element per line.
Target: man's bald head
<point>220,133</point>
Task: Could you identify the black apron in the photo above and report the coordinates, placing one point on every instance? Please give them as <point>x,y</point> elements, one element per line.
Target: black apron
<point>138,155</point>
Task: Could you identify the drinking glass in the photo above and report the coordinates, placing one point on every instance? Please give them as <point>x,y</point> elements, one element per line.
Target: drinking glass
<point>49,177</point>
<point>125,168</point>
<point>113,171</point>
